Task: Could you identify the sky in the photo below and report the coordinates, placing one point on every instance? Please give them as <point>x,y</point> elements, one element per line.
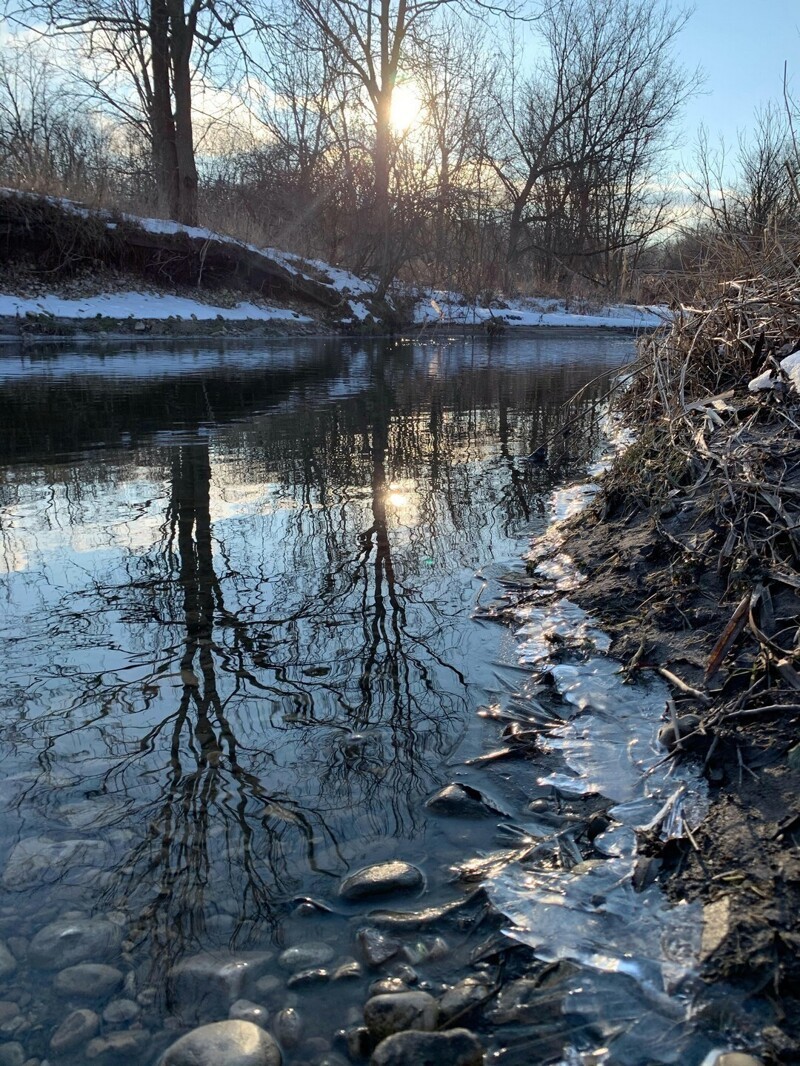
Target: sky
<point>741,46</point>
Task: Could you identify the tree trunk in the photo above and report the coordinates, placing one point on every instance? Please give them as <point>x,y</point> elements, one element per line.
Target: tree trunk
<point>181,40</point>
<point>162,124</point>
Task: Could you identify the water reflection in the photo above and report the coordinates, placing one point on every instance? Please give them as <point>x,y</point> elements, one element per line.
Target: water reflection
<point>238,643</point>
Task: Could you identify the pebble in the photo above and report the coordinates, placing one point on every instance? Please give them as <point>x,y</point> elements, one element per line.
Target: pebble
<point>232,1043</point>
<point>687,724</point>
<point>305,978</point>
<point>730,1058</point>
<point>463,997</point>
<point>348,971</point>
<point>458,1047</point>
<point>12,1054</point>
<point>117,1047</point>
<point>66,942</point>
<point>8,1010</point>
<point>457,801</point>
<point>288,1027</point>
<point>381,879</point>
<point>41,861</point>
<point>309,956</point>
<point>396,1011</point>
<point>387,985</point>
<point>360,1042</point>
<point>204,986</point>
<point>244,1010</point>
<point>91,979</point>
<point>76,1030</point>
<point>121,1012</point>
<point>376,947</point>
<point>8,963</point>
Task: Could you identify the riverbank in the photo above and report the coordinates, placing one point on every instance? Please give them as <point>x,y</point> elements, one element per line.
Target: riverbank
<point>68,271</point>
<point>691,557</point>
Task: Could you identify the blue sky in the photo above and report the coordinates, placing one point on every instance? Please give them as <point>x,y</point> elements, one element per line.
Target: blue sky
<point>741,46</point>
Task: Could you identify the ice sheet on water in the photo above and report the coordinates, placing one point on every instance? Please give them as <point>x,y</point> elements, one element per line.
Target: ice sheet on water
<point>559,624</point>
<point>596,919</point>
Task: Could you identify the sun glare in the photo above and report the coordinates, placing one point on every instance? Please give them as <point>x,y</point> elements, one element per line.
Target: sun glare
<point>406,108</point>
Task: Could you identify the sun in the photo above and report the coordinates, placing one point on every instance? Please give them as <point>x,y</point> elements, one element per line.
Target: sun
<point>406,108</point>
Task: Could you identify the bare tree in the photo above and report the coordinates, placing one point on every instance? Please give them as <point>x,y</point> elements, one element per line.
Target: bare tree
<point>592,119</point>
<point>147,57</point>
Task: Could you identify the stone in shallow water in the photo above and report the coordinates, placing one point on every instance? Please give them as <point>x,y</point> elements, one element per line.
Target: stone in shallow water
<point>111,1049</point>
<point>288,1027</point>
<point>42,861</point>
<point>205,985</point>
<point>381,879</point>
<point>91,979</point>
<point>308,956</point>
<point>396,1011</point>
<point>77,1029</point>
<point>376,947</point>
<point>230,1043</point>
<point>8,963</point>
<point>13,1054</point>
<point>66,942</point>
<point>461,801</point>
<point>244,1010</point>
<point>459,1047</point>
<point>121,1012</point>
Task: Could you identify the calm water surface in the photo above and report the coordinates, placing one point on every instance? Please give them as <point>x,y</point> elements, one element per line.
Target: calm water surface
<point>239,651</point>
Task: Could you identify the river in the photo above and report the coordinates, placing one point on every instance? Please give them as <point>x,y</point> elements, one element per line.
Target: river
<point>245,641</point>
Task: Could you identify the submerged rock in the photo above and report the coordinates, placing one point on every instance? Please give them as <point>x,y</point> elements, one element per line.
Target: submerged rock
<point>381,879</point>
<point>244,1010</point>
<point>77,1029</point>
<point>42,861</point>
<point>205,985</point>
<point>65,943</point>
<point>309,956</point>
<point>91,979</point>
<point>376,947</point>
<point>8,963</point>
<point>230,1043</point>
<point>288,1027</point>
<point>397,1011</point>
<point>458,1047</point>
<point>462,801</point>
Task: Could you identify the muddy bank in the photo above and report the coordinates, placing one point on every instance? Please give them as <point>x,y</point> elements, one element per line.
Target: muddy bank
<point>690,552</point>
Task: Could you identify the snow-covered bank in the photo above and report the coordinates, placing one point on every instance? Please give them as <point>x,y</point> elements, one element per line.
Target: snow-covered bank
<point>449,308</point>
<point>140,305</point>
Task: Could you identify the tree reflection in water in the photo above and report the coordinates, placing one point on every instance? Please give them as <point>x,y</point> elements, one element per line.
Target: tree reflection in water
<point>272,677</point>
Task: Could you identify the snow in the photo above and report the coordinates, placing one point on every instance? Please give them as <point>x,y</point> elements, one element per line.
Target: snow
<point>770,379</point>
<point>439,307</point>
<point>140,305</point>
<point>450,308</point>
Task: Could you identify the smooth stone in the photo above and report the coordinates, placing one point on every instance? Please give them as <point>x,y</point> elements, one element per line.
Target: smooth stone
<point>244,1010</point>
<point>463,997</point>
<point>230,1043</point>
<point>395,1011</point>
<point>732,1058</point>
<point>456,801</point>
<point>18,946</point>
<point>8,964</point>
<point>121,1012</point>
<point>687,724</point>
<point>92,979</point>
<point>310,956</point>
<point>117,1047</point>
<point>65,943</point>
<point>268,986</point>
<point>360,1042</point>
<point>8,1010</point>
<point>348,971</point>
<point>12,1054</point>
<point>77,1029</point>
<point>380,879</point>
<point>376,947</point>
<point>387,986</point>
<point>458,1047</point>
<point>308,977</point>
<point>205,985</point>
<point>41,861</point>
<point>288,1027</point>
